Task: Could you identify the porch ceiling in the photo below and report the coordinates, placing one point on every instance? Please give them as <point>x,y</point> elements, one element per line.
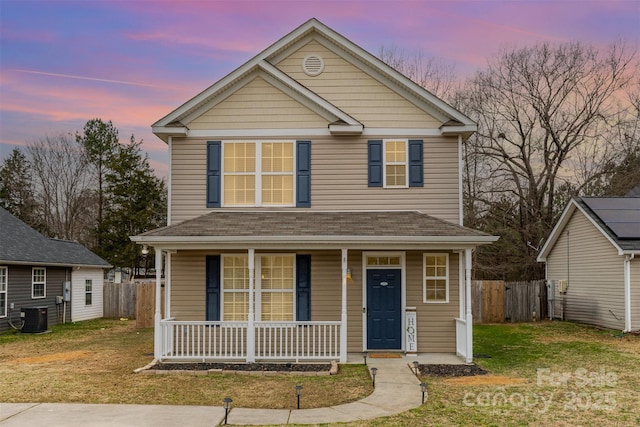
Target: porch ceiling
<point>318,229</point>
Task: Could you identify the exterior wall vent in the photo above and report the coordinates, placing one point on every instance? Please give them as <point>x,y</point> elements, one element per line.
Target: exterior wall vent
<point>312,65</point>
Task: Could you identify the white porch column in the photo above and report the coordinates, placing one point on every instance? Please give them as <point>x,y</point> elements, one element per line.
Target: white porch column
<point>167,284</point>
<point>469,316</point>
<point>343,316</point>
<point>157,333</point>
<point>251,331</point>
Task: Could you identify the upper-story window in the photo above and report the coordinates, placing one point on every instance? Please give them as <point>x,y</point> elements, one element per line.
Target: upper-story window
<point>258,173</point>
<point>39,283</point>
<point>395,163</point>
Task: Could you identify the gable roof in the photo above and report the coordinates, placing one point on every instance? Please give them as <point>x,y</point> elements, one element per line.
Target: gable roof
<point>352,229</point>
<point>21,244</point>
<point>617,218</point>
<point>454,122</point>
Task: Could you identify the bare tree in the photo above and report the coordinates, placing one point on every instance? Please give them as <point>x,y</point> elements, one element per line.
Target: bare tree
<point>545,116</point>
<point>433,74</point>
<point>64,186</point>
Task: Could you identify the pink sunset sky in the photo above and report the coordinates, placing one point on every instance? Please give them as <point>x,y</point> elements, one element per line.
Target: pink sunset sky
<point>133,61</point>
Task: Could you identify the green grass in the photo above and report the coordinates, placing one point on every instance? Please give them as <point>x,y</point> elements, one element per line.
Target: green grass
<point>93,362</point>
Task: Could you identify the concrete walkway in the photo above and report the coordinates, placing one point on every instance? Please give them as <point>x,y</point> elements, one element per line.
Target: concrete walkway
<point>397,390</point>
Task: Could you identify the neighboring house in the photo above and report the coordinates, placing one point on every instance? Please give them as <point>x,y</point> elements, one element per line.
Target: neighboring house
<point>34,270</point>
<point>592,261</point>
<point>315,209</point>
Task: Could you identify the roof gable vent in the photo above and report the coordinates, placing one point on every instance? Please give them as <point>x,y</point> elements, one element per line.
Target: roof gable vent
<point>312,65</point>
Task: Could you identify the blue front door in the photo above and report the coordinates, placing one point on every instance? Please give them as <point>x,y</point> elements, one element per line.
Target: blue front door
<point>384,309</point>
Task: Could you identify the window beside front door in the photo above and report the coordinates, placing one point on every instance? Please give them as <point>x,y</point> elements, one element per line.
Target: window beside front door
<point>436,278</point>
<point>275,284</point>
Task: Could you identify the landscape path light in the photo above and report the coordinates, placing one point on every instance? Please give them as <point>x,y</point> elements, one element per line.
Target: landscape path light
<point>364,355</point>
<point>226,404</point>
<point>416,365</point>
<point>298,394</point>
<point>374,371</point>
<point>423,388</point>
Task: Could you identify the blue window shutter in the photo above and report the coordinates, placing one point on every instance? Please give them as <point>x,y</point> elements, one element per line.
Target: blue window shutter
<point>375,163</point>
<point>213,174</point>
<point>213,287</point>
<point>303,174</point>
<point>303,288</point>
<point>416,163</point>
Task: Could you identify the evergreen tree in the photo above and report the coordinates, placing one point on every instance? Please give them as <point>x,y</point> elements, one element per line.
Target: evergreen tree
<point>136,202</point>
<point>100,141</point>
<point>16,188</point>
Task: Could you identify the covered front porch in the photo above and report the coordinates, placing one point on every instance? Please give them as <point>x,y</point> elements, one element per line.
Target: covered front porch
<point>289,341</point>
<point>373,281</point>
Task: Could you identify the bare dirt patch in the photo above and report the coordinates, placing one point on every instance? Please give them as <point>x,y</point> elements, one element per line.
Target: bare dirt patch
<point>485,380</point>
<point>451,370</point>
<point>55,357</point>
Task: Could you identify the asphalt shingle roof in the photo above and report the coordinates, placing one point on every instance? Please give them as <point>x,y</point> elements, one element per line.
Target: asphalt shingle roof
<point>22,244</point>
<point>313,223</point>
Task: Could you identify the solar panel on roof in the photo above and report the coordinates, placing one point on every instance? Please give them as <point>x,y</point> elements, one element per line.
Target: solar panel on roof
<point>620,214</point>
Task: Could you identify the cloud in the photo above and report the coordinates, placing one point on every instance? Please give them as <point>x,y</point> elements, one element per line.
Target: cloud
<point>95,79</point>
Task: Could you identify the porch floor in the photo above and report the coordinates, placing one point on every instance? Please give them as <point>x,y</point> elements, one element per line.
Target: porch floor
<point>423,358</point>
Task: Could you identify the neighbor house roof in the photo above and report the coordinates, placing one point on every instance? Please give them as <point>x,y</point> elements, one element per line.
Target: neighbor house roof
<point>354,229</point>
<point>617,218</point>
<point>176,122</point>
<point>21,244</point>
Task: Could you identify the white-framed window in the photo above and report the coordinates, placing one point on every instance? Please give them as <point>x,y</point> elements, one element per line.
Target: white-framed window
<point>235,287</point>
<point>274,287</point>
<point>4,280</point>
<point>88,292</point>
<point>38,282</point>
<point>436,278</point>
<point>396,159</point>
<point>258,173</point>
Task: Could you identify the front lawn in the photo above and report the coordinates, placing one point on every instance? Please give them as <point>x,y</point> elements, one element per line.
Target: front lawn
<point>93,362</point>
<point>542,374</point>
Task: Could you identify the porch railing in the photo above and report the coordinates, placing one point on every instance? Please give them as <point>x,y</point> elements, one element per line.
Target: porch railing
<point>461,337</point>
<point>203,340</point>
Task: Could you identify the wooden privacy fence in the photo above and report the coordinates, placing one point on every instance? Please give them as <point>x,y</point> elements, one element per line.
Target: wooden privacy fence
<point>132,301</point>
<point>494,301</point>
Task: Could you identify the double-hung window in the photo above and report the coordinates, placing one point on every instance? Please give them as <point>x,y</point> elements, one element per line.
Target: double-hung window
<point>395,164</point>
<point>274,287</point>
<point>436,278</point>
<point>88,292</point>
<point>258,173</point>
<point>3,291</point>
<point>39,283</point>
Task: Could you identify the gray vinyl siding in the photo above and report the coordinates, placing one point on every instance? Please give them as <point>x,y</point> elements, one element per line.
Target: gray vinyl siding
<point>436,324</point>
<point>19,293</point>
<point>354,91</point>
<point>596,275</point>
<point>338,178</point>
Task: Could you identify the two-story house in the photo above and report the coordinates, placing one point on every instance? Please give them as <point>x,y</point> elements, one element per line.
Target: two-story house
<point>315,209</point>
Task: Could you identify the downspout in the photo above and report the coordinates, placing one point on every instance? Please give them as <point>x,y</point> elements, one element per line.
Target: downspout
<point>627,292</point>
<point>469,316</point>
